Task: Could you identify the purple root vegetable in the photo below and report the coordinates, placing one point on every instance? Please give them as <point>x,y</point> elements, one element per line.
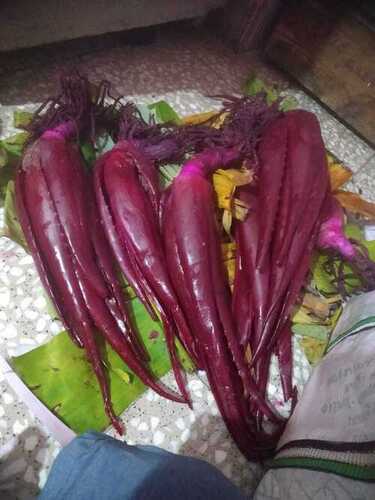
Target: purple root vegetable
<point>305,152</point>
<point>43,229</point>
<point>127,197</point>
<point>332,238</point>
<point>84,304</point>
<point>194,261</point>
<point>271,172</point>
<point>62,226</point>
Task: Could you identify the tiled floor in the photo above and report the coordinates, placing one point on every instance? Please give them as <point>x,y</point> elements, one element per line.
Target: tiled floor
<point>183,69</point>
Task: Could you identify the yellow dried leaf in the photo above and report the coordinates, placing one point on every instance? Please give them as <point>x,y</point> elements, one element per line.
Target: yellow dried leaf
<point>302,316</point>
<point>225,183</point>
<point>228,250</point>
<point>227,220</point>
<point>248,354</point>
<point>354,203</point>
<point>240,210</point>
<point>317,305</point>
<point>313,349</point>
<point>235,176</point>
<point>198,118</point>
<point>338,175</point>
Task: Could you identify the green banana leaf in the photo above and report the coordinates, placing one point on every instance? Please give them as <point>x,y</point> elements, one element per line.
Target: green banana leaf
<point>12,228</point>
<point>60,376</point>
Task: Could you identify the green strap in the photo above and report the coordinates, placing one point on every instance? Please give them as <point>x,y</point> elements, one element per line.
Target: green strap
<point>356,328</point>
<point>339,468</point>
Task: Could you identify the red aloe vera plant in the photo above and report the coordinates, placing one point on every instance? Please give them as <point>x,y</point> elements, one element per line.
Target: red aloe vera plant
<point>127,192</point>
<point>194,260</point>
<point>58,215</point>
<point>281,231</point>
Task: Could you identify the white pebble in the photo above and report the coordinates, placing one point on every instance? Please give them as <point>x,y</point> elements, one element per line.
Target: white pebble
<point>18,427</point>
<point>25,303</point>
<point>4,298</point>
<point>185,435</point>
<point>158,438</point>
<point>10,331</point>
<point>192,417</point>
<point>7,398</point>
<point>31,442</point>
<point>40,302</point>
<point>30,314</point>
<point>180,423</point>
<point>150,395</point>
<point>195,385</point>
<point>214,411</point>
<point>174,446</point>
<point>2,411</point>
<point>56,327</point>
<point>26,260</point>
<point>3,423</point>
<point>220,456</point>
<point>154,422</point>
<point>3,316</point>
<point>40,324</point>
<point>134,421</point>
<point>16,271</point>
<point>143,426</point>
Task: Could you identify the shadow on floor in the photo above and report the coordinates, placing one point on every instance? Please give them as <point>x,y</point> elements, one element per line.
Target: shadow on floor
<point>20,465</point>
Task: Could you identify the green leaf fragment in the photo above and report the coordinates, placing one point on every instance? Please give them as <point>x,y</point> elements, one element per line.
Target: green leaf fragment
<point>168,173</point>
<point>60,376</point>
<point>319,332</point>
<point>164,113</point>
<point>3,157</point>
<point>122,374</point>
<point>21,118</point>
<point>323,280</point>
<point>88,152</point>
<point>288,103</point>
<point>13,228</point>
<point>103,144</point>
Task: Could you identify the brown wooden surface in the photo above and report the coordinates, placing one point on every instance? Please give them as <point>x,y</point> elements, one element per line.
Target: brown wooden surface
<point>332,54</point>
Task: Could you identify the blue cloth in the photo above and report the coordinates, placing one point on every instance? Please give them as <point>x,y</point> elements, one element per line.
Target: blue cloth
<point>97,467</point>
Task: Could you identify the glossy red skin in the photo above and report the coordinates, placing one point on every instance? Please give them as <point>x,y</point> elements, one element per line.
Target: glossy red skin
<point>116,303</point>
<point>202,313</point>
<point>288,274</point>
<point>53,250</point>
<point>67,184</point>
<point>284,355</point>
<point>257,277</point>
<point>78,298</point>
<point>135,237</point>
<point>119,250</point>
<point>43,271</point>
<point>194,259</point>
<point>304,149</point>
<point>271,157</point>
